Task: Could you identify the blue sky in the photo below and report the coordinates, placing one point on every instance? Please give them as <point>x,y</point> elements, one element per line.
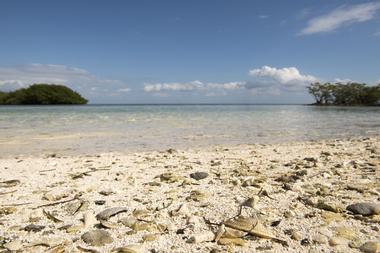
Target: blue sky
<point>197,51</point>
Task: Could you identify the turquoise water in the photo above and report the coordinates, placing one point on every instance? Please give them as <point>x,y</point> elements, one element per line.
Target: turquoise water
<point>103,128</point>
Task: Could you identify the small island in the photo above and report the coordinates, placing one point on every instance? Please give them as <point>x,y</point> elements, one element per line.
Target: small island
<point>351,93</point>
<point>42,94</point>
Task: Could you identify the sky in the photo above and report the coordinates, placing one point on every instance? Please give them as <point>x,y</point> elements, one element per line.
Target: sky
<point>198,51</point>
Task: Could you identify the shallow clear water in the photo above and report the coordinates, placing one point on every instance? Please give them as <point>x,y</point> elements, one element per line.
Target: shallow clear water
<point>102,128</point>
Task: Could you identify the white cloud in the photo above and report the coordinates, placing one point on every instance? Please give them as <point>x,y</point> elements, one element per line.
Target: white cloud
<point>342,16</point>
<point>192,86</point>
<point>263,16</point>
<point>268,80</point>
<point>87,84</point>
<point>124,90</point>
<point>285,76</point>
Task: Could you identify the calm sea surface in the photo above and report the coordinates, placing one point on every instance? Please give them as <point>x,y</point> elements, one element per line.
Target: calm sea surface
<point>101,128</point>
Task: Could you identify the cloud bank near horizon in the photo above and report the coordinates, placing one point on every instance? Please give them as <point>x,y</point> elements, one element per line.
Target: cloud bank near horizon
<point>266,80</point>
<point>15,77</point>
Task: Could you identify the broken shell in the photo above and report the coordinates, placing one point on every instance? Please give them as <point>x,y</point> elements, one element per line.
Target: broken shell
<point>74,228</point>
<point>89,219</point>
<point>13,245</point>
<point>106,214</point>
<point>128,249</point>
<point>77,206</point>
<point>233,233</point>
<point>220,232</point>
<point>128,221</point>
<point>108,224</point>
<point>197,196</point>
<point>51,216</point>
<point>182,210</point>
<point>232,241</point>
<point>252,226</point>
<point>207,236</point>
<point>9,183</point>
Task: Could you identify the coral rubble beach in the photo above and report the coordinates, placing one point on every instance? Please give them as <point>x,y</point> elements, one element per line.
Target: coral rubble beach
<point>316,196</point>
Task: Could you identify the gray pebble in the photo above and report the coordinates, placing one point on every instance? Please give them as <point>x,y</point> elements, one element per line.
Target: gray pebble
<point>199,175</point>
<point>364,208</point>
<point>97,237</point>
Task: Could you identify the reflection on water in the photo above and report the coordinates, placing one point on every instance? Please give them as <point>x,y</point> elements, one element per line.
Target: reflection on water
<point>72,129</point>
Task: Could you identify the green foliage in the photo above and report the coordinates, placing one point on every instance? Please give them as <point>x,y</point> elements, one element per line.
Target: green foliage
<point>42,94</point>
<point>345,94</point>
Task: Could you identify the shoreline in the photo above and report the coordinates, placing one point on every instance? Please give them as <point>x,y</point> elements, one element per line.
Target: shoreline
<point>198,147</point>
<point>301,191</point>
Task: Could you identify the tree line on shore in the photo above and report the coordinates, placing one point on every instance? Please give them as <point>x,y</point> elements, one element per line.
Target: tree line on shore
<point>42,94</point>
<point>351,93</point>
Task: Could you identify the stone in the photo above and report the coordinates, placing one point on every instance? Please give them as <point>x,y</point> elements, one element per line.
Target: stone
<point>364,208</point>
<point>97,237</point>
<point>106,214</point>
<point>296,235</point>
<point>199,175</point>
<point>335,241</point>
<point>34,228</point>
<point>328,206</point>
<point>370,247</point>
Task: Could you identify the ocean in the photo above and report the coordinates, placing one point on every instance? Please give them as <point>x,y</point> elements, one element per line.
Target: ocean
<point>89,129</point>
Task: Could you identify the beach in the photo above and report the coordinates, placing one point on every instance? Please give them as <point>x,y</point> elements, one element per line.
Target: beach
<point>187,200</point>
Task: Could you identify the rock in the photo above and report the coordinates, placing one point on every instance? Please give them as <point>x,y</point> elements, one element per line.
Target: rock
<point>100,202</point>
<point>199,175</point>
<point>370,247</point>
<point>13,245</point>
<point>328,206</point>
<point>296,235</point>
<point>335,241</point>
<point>364,208</point>
<point>170,177</point>
<point>34,228</point>
<point>150,237</point>
<point>106,214</point>
<point>106,192</point>
<point>97,237</point>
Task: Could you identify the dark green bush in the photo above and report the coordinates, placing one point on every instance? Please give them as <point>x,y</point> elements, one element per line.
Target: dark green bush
<point>345,94</point>
<point>42,94</point>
